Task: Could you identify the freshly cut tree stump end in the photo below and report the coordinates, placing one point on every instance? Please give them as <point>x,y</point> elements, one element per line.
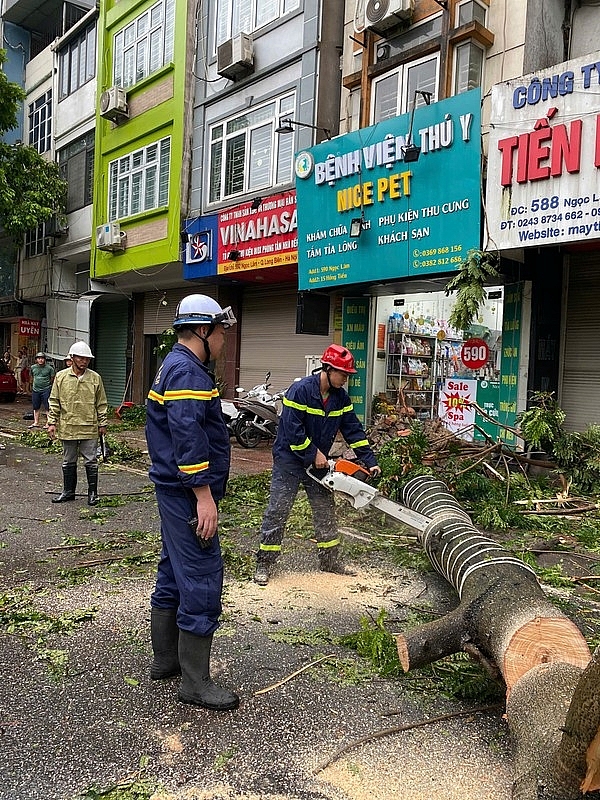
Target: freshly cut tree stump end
<point>541,641</point>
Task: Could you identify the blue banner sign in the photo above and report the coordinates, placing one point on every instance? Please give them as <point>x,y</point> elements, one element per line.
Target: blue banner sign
<point>368,211</point>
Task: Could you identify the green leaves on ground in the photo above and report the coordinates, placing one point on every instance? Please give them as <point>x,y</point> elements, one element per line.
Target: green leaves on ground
<point>20,615</point>
<point>456,676</point>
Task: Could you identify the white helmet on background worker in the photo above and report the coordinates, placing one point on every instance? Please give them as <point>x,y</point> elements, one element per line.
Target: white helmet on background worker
<point>80,349</point>
<point>199,309</point>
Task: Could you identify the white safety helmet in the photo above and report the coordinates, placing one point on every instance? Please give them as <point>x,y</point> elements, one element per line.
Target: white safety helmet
<point>198,309</point>
<point>80,349</point>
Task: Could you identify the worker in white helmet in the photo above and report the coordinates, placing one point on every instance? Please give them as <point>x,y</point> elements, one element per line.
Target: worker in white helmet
<point>188,443</point>
<point>78,415</point>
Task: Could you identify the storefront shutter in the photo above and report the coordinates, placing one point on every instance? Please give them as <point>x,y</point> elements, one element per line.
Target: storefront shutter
<point>580,385</point>
<point>160,307</point>
<point>112,324</point>
<point>269,340</point>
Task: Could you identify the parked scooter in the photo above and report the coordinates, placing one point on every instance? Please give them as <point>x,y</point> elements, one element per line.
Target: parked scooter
<point>231,408</point>
<point>259,418</point>
<point>230,413</point>
<point>259,415</point>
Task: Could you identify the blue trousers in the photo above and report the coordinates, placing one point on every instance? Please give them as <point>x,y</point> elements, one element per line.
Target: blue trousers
<point>189,577</point>
<point>284,488</point>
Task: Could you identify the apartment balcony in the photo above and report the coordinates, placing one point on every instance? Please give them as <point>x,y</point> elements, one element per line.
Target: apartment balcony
<point>45,19</point>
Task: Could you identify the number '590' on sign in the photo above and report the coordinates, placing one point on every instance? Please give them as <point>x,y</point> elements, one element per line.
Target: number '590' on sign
<point>474,353</point>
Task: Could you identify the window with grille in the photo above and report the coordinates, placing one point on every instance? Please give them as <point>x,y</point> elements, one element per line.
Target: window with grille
<point>76,164</point>
<point>246,16</point>
<point>246,154</point>
<point>145,45</point>
<point>77,62</point>
<point>40,122</point>
<point>36,241</point>
<point>468,67</point>
<point>139,181</point>
<point>394,92</point>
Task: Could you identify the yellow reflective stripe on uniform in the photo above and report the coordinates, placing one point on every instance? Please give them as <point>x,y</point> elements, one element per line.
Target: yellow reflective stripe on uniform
<point>303,446</point>
<point>270,547</point>
<point>152,395</point>
<point>191,394</point>
<point>362,443</point>
<point>332,543</point>
<point>191,469</point>
<point>341,411</point>
<point>290,403</point>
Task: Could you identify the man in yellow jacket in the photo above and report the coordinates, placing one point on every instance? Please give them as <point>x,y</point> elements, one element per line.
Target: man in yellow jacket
<point>77,415</point>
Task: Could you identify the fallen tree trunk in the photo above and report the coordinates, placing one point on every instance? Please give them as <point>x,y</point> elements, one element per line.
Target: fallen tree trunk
<point>552,683</point>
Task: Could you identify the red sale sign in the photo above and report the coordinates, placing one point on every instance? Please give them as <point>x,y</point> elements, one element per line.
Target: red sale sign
<point>474,353</point>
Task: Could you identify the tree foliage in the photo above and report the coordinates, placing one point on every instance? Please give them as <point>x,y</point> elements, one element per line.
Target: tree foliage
<point>31,189</point>
<point>475,271</point>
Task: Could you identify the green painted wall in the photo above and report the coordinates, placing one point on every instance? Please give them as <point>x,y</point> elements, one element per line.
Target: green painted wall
<point>166,118</point>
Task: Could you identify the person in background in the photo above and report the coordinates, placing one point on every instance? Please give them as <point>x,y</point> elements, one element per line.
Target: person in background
<point>189,448</point>
<point>78,414</point>
<point>315,409</point>
<point>42,375</point>
<point>21,371</point>
<point>9,359</point>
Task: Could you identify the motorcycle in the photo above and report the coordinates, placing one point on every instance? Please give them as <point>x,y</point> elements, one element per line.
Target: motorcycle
<point>230,408</point>
<point>259,416</point>
<point>230,414</point>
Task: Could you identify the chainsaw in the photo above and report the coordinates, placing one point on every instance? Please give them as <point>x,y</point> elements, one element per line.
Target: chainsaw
<point>349,479</point>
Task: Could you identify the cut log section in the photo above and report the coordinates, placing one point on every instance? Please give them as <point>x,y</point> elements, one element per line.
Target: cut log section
<point>552,682</point>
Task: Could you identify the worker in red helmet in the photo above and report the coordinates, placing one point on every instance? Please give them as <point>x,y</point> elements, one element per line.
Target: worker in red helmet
<point>315,409</point>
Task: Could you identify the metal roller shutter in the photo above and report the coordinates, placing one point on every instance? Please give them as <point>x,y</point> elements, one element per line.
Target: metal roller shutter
<point>580,385</point>
<point>160,307</point>
<point>112,323</point>
<point>269,341</point>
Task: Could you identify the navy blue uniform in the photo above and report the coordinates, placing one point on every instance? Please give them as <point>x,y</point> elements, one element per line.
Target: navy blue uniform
<point>308,424</point>
<point>188,443</point>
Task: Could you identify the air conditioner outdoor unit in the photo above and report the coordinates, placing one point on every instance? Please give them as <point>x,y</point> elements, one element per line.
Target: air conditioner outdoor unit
<point>383,15</point>
<point>56,226</point>
<point>235,57</point>
<point>113,104</point>
<point>110,237</point>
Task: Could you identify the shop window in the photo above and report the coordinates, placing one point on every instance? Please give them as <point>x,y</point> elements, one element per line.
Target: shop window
<point>77,62</point>
<point>394,92</point>
<point>145,45</point>
<point>246,16</point>
<point>247,154</point>
<point>470,11</point>
<point>139,181</point>
<point>40,122</point>
<point>468,67</point>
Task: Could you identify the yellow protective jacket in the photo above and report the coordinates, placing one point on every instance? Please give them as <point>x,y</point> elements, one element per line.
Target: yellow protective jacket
<point>78,406</point>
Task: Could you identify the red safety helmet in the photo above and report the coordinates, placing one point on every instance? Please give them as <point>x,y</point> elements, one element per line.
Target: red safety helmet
<point>338,357</point>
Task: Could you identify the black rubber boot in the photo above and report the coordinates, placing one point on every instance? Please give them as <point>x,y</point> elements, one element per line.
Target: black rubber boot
<point>165,641</point>
<point>91,470</point>
<point>196,686</point>
<point>329,561</point>
<point>69,484</point>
